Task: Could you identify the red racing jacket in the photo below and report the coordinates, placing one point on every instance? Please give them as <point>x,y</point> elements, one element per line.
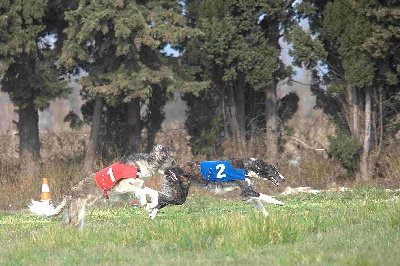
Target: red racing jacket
<point>109,176</point>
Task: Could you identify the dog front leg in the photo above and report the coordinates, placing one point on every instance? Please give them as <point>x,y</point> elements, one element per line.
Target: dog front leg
<point>270,200</point>
<point>140,194</point>
<point>132,186</point>
<point>153,197</point>
<point>153,213</point>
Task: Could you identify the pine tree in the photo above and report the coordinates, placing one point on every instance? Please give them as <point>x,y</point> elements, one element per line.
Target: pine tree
<point>28,63</point>
<point>118,43</point>
<point>341,38</point>
<point>239,53</point>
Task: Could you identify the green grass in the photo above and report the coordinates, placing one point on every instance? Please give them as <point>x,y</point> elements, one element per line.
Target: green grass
<point>359,227</point>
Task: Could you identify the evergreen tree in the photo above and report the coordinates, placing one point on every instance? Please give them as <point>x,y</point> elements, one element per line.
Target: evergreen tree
<point>28,57</point>
<point>340,40</point>
<point>118,43</point>
<point>239,53</point>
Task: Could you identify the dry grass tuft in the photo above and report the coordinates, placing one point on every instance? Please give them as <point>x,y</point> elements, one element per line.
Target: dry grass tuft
<point>176,138</point>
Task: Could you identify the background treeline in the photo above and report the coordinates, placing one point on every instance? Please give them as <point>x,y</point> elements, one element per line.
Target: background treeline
<point>228,70</point>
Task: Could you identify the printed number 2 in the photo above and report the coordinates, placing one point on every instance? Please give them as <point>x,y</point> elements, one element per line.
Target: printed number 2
<point>221,169</point>
<point>111,174</point>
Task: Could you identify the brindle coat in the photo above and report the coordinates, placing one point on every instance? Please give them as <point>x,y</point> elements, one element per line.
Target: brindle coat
<point>86,192</point>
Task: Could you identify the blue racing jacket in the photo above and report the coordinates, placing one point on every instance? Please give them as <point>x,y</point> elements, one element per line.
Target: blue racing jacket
<point>220,171</point>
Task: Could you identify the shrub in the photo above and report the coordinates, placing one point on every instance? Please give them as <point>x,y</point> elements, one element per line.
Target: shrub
<point>347,149</point>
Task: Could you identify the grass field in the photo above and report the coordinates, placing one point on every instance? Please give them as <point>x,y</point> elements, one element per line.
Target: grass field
<point>359,227</point>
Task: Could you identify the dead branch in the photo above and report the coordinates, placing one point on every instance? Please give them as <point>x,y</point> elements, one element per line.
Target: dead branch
<point>307,146</point>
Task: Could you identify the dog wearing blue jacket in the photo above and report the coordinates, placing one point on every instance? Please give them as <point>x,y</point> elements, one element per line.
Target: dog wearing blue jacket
<point>218,177</point>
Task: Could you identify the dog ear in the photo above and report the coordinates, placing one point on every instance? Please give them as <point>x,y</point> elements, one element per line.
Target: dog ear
<point>172,175</point>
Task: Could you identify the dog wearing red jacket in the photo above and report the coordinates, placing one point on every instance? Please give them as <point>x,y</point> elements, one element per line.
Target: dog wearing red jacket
<point>124,177</point>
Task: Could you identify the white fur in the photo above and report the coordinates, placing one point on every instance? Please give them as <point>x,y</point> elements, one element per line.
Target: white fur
<point>144,172</point>
<point>40,208</point>
<point>267,199</point>
<point>81,216</point>
<point>153,213</point>
<point>136,187</point>
<point>257,203</point>
<point>270,200</point>
<point>153,195</point>
<point>252,174</point>
<point>249,181</point>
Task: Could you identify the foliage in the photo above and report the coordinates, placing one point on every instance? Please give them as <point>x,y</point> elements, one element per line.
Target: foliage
<point>28,72</point>
<point>74,120</point>
<point>27,55</point>
<point>119,45</point>
<point>346,148</point>
<point>229,56</point>
<point>306,49</point>
<point>345,21</point>
<point>203,123</point>
<point>350,45</point>
<point>288,106</point>
<point>238,53</point>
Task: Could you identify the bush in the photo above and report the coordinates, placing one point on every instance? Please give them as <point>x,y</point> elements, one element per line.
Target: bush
<point>347,149</point>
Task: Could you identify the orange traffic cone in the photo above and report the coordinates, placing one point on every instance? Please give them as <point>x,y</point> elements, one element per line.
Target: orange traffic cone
<point>45,196</point>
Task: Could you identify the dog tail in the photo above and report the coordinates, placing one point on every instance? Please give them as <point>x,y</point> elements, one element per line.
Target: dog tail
<point>45,210</point>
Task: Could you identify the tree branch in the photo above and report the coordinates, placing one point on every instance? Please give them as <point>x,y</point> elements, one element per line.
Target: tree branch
<point>306,145</point>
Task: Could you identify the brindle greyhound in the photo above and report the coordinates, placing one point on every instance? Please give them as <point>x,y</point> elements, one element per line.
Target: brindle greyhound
<point>87,192</point>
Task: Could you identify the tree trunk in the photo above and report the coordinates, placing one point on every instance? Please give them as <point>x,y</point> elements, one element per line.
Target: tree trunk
<point>355,113</point>
<point>226,122</point>
<point>231,113</point>
<point>29,143</point>
<point>28,127</point>
<point>240,107</point>
<point>92,149</point>
<point>134,127</point>
<point>272,32</point>
<point>364,162</point>
<point>271,105</point>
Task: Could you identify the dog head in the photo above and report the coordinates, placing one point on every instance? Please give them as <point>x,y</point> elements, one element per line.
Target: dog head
<point>263,170</point>
<point>160,153</point>
<point>177,179</point>
<point>173,172</point>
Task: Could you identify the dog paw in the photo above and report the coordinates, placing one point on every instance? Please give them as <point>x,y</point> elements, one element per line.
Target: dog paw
<point>153,214</point>
<point>148,207</point>
<point>280,203</point>
<point>153,204</point>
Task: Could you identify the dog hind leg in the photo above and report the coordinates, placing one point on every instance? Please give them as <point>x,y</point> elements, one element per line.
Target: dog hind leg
<point>65,219</point>
<point>268,199</point>
<point>257,203</point>
<point>77,212</point>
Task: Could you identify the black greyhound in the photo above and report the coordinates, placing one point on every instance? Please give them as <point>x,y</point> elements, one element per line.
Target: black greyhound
<point>178,179</point>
